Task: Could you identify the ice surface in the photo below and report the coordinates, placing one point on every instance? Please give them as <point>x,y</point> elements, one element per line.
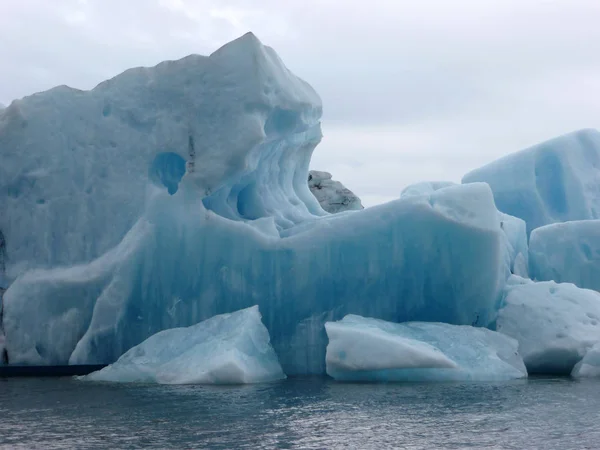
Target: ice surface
<point>437,257</point>
<point>589,366</point>
<point>516,255</point>
<point>74,165</point>
<point>555,324</point>
<point>567,252</point>
<point>332,195</point>
<point>555,181</point>
<point>225,349</point>
<point>364,349</point>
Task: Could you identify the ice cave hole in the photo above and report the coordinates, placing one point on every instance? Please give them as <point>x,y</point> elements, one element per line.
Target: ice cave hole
<point>166,170</point>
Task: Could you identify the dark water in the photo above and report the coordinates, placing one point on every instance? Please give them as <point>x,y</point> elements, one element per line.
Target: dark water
<point>301,413</point>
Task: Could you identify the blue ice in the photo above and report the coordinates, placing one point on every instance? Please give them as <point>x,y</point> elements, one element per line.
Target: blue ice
<point>365,349</point>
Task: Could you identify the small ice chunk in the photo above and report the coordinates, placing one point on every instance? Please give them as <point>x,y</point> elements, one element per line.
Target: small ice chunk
<point>225,349</point>
<point>555,324</point>
<point>589,366</point>
<point>365,349</point>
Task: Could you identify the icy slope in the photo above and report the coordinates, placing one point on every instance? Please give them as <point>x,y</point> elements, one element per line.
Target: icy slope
<point>332,195</point>
<point>555,181</point>
<point>226,349</point>
<point>363,349</point>
<point>437,257</point>
<point>74,165</point>
<point>567,252</point>
<point>555,324</point>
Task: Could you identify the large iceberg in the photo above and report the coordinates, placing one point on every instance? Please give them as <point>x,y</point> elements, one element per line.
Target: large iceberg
<point>332,195</point>
<point>555,324</point>
<point>567,252</point>
<point>555,181</point>
<point>171,194</point>
<point>225,349</point>
<point>364,349</point>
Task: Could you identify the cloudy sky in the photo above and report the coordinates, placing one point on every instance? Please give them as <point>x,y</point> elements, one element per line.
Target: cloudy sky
<point>412,90</point>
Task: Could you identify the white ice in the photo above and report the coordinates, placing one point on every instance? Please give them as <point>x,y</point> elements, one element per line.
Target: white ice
<point>225,349</point>
<point>555,324</point>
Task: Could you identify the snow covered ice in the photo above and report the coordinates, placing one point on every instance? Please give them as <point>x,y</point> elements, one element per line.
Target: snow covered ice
<point>555,324</point>
<point>364,349</point>
<point>555,181</point>
<point>567,252</point>
<point>225,349</point>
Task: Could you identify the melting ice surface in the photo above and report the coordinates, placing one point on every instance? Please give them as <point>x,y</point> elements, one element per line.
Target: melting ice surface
<point>225,349</point>
<point>364,349</point>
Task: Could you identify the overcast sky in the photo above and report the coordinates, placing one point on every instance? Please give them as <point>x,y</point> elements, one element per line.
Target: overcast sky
<point>412,90</point>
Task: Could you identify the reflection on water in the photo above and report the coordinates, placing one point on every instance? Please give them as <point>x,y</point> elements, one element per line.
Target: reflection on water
<point>301,413</point>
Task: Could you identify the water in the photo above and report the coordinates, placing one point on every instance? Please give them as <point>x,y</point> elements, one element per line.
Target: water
<point>542,413</point>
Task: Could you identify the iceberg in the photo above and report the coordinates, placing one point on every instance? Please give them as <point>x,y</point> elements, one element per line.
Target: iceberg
<point>555,181</point>
<point>365,349</point>
<point>555,324</point>
<point>332,195</point>
<point>225,349</point>
<point>567,252</point>
<point>168,195</point>
<point>437,257</point>
<point>425,187</point>
<point>589,366</point>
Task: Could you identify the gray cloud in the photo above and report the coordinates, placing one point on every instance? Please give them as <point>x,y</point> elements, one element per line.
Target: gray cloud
<point>411,90</point>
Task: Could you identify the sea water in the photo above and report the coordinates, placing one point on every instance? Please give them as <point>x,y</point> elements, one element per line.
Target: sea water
<point>538,413</point>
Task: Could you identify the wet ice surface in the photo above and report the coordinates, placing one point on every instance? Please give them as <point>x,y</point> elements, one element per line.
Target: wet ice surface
<point>548,413</point>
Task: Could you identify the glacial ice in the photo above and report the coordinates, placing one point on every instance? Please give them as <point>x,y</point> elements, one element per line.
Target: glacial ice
<point>555,324</point>
<point>437,257</point>
<point>225,349</point>
<point>589,366</point>
<point>555,181</point>
<point>364,349</point>
<point>567,252</point>
<point>332,195</point>
<point>169,195</point>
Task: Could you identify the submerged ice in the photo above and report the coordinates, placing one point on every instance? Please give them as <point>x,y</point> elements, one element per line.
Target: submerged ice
<point>225,349</point>
<point>364,349</point>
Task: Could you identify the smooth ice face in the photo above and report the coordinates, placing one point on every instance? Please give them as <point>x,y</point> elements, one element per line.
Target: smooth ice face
<point>225,349</point>
<point>75,165</point>
<point>555,181</point>
<point>567,252</point>
<point>364,349</point>
<point>437,257</point>
<point>589,366</point>
<point>555,324</point>
<point>332,195</point>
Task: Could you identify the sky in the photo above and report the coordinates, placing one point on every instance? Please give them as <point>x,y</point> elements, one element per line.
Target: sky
<point>412,90</point>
